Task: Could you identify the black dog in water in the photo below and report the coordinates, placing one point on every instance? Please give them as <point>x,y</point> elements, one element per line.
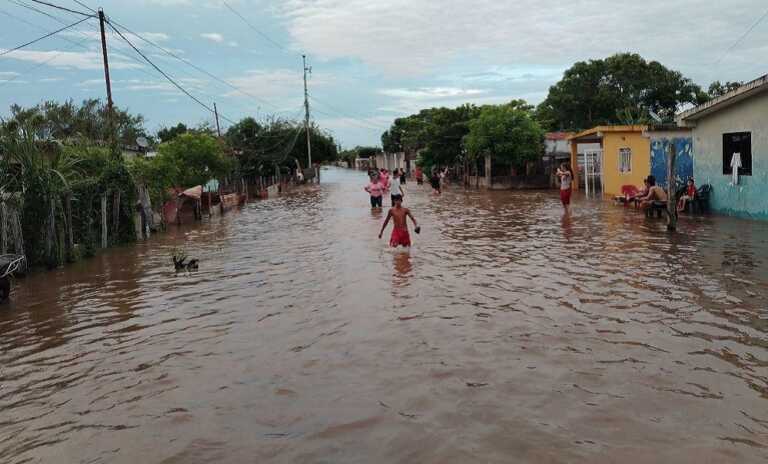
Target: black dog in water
<point>181,264</point>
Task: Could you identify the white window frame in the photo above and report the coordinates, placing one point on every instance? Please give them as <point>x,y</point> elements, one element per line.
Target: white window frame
<point>622,152</point>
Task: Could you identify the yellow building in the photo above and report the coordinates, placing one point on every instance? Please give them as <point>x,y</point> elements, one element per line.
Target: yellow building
<point>615,156</point>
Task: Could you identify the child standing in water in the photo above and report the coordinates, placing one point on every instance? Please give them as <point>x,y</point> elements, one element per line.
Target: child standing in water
<point>376,189</point>
<point>399,215</point>
<point>566,179</point>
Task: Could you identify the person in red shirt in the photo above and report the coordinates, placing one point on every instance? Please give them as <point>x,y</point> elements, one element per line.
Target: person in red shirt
<point>690,194</point>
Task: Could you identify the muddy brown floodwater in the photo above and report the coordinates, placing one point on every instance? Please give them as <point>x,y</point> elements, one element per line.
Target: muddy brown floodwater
<point>508,334</point>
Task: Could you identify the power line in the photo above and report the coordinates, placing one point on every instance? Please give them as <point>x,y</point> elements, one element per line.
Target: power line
<point>79,44</point>
<point>742,37</point>
<point>169,78</point>
<point>198,68</point>
<point>331,107</point>
<point>43,37</point>
<point>353,121</point>
<point>42,63</point>
<point>258,100</point>
<point>273,42</point>
<point>61,21</point>
<point>59,7</point>
<point>85,6</point>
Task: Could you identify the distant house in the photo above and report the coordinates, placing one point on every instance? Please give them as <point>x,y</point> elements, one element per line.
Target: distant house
<point>609,157</point>
<point>556,146</point>
<point>733,127</point>
<point>662,137</point>
<point>390,161</point>
<point>557,150</point>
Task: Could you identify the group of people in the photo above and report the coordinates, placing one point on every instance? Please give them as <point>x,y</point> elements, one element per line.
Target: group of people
<point>381,182</point>
<point>436,179</point>
<point>645,197</point>
<point>652,193</point>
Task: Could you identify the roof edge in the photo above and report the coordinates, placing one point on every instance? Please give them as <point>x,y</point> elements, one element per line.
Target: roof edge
<point>734,96</point>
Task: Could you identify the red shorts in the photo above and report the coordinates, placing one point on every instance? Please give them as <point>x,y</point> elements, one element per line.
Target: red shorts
<point>565,197</point>
<point>400,237</point>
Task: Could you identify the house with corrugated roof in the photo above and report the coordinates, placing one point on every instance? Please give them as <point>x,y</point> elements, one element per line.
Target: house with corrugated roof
<point>730,142</point>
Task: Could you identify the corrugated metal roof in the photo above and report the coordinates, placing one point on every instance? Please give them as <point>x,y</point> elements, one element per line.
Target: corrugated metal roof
<point>558,135</point>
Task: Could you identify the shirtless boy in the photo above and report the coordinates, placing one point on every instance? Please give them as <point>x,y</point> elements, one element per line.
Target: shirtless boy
<point>399,215</point>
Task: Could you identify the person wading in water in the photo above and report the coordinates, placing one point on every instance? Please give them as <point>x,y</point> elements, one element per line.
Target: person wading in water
<point>566,180</point>
<point>399,215</point>
<point>376,189</point>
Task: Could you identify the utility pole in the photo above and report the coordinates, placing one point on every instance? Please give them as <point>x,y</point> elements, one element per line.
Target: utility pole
<point>110,123</point>
<point>306,107</point>
<point>216,113</point>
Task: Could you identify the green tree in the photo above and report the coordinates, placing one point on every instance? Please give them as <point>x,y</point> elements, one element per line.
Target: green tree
<point>606,91</point>
<point>166,134</point>
<point>718,89</point>
<point>87,121</point>
<point>193,159</point>
<point>367,152</point>
<point>508,133</point>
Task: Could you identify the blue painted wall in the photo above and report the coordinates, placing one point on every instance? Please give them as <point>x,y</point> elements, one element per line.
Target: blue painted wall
<point>684,159</point>
<point>750,197</point>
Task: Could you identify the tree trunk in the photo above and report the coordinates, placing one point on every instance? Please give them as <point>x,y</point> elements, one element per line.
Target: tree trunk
<point>671,188</point>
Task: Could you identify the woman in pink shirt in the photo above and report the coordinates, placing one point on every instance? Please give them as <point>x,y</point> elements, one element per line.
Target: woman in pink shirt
<point>376,189</point>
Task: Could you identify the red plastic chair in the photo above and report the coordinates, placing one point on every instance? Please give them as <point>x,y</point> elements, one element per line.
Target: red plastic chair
<point>627,192</point>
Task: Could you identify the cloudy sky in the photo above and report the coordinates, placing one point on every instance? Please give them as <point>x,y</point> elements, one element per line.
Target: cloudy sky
<point>372,60</point>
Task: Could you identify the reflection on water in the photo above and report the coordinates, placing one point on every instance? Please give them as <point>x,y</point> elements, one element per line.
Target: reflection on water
<point>510,332</point>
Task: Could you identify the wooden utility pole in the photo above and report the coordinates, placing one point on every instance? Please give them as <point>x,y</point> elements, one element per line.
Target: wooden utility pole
<point>306,112</point>
<point>216,113</point>
<point>110,118</point>
<point>671,187</point>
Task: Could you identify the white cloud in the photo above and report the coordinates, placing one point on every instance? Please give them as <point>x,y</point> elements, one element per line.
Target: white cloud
<point>431,93</point>
<point>268,84</point>
<point>213,37</point>
<point>233,43</point>
<point>72,60</point>
<point>416,37</point>
<point>51,79</point>
<point>6,74</point>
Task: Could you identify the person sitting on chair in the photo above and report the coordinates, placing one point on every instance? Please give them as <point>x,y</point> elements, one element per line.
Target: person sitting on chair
<point>655,194</point>
<point>689,195</point>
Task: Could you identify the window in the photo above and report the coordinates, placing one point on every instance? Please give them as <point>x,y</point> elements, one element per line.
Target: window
<point>737,142</point>
<point>625,160</point>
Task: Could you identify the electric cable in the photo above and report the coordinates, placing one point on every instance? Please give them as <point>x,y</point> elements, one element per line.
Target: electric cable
<point>273,42</point>
<point>169,78</point>
<point>59,7</point>
<point>5,52</point>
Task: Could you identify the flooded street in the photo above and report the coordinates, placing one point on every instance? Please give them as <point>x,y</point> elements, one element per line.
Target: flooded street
<point>507,334</point>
